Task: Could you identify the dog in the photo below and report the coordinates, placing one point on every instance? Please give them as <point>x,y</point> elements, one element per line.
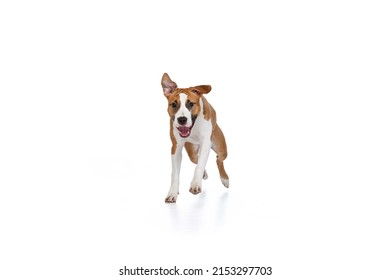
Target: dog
<point>193,125</point>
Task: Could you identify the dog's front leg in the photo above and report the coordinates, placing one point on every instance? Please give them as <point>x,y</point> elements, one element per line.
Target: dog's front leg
<point>204,150</point>
<point>176,163</point>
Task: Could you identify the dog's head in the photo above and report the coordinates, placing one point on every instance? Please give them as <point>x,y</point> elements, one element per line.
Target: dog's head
<point>183,104</point>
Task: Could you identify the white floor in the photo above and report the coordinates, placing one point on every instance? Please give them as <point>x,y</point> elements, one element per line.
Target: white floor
<point>87,217</point>
<point>301,93</point>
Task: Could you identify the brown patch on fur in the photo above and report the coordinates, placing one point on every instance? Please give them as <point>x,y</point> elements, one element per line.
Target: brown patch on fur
<point>194,98</point>
<point>209,112</point>
<point>192,151</point>
<point>175,98</point>
<point>220,148</point>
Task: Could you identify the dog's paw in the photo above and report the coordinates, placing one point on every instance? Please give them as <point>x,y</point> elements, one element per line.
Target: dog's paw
<point>225,182</point>
<point>195,189</point>
<point>171,198</point>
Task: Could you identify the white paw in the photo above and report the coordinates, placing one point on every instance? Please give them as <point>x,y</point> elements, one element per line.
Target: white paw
<point>171,198</point>
<point>195,189</point>
<point>225,182</point>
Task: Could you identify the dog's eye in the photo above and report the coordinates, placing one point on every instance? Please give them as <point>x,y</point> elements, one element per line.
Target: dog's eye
<point>174,105</point>
<point>190,104</point>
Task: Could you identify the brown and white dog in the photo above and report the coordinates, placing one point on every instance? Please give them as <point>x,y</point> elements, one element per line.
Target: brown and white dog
<point>193,125</point>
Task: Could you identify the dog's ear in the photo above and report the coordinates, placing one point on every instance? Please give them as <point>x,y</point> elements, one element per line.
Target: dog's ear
<point>201,89</point>
<point>168,85</point>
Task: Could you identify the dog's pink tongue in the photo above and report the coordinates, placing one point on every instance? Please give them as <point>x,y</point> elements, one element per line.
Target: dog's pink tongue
<point>184,131</point>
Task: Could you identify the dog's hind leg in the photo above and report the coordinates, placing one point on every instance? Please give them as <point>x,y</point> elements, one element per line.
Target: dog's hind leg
<point>219,146</point>
<point>193,152</point>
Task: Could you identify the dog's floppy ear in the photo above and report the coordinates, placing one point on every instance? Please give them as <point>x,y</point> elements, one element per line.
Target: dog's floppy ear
<point>168,85</point>
<point>203,89</point>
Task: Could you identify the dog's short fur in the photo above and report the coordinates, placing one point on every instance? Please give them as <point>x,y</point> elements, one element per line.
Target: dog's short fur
<point>193,125</point>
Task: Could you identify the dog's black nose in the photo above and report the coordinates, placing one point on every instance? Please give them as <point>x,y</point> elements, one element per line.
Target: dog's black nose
<point>182,120</point>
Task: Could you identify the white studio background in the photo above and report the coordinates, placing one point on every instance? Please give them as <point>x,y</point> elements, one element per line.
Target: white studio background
<point>301,90</point>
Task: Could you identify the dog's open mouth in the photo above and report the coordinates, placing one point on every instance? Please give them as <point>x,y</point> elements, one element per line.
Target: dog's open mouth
<point>184,131</point>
